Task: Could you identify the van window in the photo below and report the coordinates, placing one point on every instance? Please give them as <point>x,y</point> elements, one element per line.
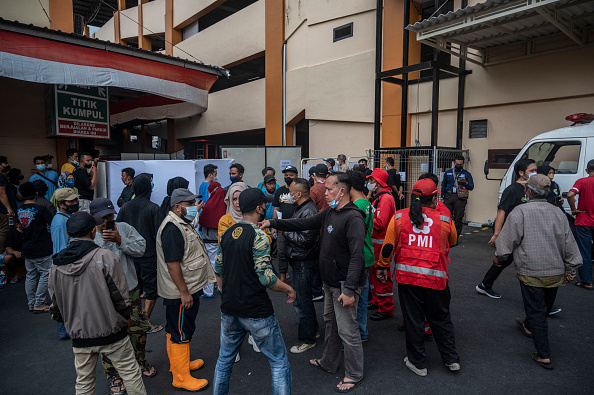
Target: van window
<point>561,155</point>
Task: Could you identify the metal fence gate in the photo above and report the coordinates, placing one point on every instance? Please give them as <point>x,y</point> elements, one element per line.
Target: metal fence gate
<point>412,162</point>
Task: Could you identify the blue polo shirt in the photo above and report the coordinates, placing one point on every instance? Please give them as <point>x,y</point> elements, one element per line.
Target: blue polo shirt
<point>448,184</point>
<point>60,238</point>
<point>51,187</point>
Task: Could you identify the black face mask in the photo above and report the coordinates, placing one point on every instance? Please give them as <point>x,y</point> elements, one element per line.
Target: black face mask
<point>72,209</point>
<point>87,166</point>
<point>311,182</point>
<point>459,167</point>
<point>261,217</point>
<point>288,181</point>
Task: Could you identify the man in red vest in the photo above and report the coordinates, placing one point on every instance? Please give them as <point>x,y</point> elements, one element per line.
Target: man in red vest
<point>384,208</point>
<point>420,236</point>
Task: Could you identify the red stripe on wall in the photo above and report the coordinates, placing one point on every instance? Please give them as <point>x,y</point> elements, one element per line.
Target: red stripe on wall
<point>40,48</point>
<point>142,101</point>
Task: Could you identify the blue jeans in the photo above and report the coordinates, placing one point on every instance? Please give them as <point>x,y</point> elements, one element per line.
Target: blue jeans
<point>362,308</point>
<point>584,236</point>
<point>304,307</point>
<point>269,339</point>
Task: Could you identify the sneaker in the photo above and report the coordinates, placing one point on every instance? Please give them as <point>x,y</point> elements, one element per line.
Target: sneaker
<point>487,291</point>
<point>420,372</point>
<point>302,347</point>
<point>454,367</point>
<point>555,310</point>
<point>318,298</point>
<point>317,335</point>
<point>205,296</point>
<point>253,343</point>
<point>237,358</point>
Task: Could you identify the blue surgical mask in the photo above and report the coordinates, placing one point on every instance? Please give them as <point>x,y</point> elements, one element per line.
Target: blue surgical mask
<point>41,167</point>
<point>74,163</point>
<point>69,183</point>
<point>191,213</point>
<point>234,179</point>
<point>334,203</point>
<point>152,186</point>
<point>531,174</point>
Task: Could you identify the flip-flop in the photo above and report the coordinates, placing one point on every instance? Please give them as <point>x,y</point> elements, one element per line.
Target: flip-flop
<point>316,364</point>
<point>151,375</point>
<point>40,311</point>
<point>520,323</point>
<point>155,329</point>
<point>546,365</point>
<point>583,285</point>
<point>355,383</point>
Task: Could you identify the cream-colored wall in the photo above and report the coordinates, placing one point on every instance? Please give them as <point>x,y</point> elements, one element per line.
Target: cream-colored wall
<point>23,133</point>
<point>230,110</point>
<point>153,17</point>
<point>25,12</point>
<point>325,10</point>
<point>129,23</point>
<point>106,32</point>
<point>328,139</point>
<point>186,9</point>
<point>234,38</point>
<point>295,14</point>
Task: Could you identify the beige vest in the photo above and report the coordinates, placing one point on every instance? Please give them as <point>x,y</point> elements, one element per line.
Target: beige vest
<point>195,264</point>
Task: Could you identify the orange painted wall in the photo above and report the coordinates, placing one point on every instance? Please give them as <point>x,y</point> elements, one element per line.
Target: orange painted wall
<point>60,12</point>
<point>172,36</point>
<point>275,33</point>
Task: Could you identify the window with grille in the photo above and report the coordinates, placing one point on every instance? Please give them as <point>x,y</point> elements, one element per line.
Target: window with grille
<point>478,129</point>
<point>342,32</point>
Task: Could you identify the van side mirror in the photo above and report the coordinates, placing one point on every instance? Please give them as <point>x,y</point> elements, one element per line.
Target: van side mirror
<point>486,169</point>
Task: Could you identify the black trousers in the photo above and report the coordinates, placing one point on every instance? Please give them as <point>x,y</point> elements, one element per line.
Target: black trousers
<point>418,303</point>
<point>494,272</point>
<point>181,322</point>
<point>457,208</point>
<point>537,304</point>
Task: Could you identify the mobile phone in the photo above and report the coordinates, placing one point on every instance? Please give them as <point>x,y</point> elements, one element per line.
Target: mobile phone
<point>110,225</point>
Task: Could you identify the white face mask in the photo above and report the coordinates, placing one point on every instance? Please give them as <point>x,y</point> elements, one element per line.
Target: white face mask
<point>371,186</point>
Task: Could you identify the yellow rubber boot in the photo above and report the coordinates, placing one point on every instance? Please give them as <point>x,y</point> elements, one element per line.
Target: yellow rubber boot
<point>194,365</point>
<point>179,359</point>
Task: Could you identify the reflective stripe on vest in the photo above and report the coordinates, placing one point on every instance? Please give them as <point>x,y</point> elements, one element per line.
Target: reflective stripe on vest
<point>390,294</point>
<point>398,216</point>
<point>445,218</point>
<point>377,241</point>
<point>421,270</point>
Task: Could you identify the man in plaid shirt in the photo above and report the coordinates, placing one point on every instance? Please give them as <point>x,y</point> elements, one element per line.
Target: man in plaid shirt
<point>545,257</point>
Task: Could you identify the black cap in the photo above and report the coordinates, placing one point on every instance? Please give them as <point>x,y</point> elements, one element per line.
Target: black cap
<point>252,198</point>
<point>81,224</point>
<point>269,178</point>
<point>291,168</point>
<point>321,169</point>
<point>100,207</point>
<point>331,161</point>
<point>590,165</point>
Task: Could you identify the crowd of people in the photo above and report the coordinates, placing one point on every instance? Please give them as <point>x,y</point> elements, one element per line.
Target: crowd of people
<point>345,233</point>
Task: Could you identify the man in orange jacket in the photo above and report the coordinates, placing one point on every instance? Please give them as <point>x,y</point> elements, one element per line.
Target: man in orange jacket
<point>384,208</point>
<point>420,237</point>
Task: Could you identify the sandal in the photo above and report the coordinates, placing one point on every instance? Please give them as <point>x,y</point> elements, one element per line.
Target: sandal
<point>546,365</point>
<point>522,327</point>
<point>149,375</point>
<point>316,364</point>
<point>155,329</point>
<point>355,383</point>
<point>116,386</point>
<point>583,285</point>
<point>41,309</point>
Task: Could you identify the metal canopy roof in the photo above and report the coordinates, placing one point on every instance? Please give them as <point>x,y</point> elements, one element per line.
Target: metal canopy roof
<point>499,31</point>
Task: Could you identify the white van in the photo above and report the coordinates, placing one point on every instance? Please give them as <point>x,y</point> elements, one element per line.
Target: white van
<point>568,150</point>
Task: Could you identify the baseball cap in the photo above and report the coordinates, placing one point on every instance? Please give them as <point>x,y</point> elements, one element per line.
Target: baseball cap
<point>331,161</point>
<point>380,176</point>
<point>65,194</point>
<point>81,224</point>
<point>321,169</point>
<point>182,195</point>
<point>251,198</point>
<point>269,178</point>
<point>101,207</point>
<point>539,181</point>
<point>291,168</point>
<point>425,187</point>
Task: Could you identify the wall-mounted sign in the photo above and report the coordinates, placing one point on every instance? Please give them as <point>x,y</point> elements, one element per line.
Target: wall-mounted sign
<point>81,111</point>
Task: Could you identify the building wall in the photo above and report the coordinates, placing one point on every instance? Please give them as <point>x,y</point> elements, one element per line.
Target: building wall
<point>25,12</point>
<point>330,138</point>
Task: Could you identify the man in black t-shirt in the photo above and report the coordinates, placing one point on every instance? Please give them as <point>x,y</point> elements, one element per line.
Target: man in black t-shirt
<point>84,181</point>
<point>395,184</point>
<point>284,209</point>
<point>37,247</point>
<point>512,196</point>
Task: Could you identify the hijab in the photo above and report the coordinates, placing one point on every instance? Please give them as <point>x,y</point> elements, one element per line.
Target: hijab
<point>235,213</point>
<point>214,208</point>
<point>173,184</point>
<point>62,180</point>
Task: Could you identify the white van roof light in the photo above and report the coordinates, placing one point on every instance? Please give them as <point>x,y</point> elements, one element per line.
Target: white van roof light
<point>580,118</point>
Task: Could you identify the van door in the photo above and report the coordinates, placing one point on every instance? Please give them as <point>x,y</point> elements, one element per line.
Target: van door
<point>566,156</point>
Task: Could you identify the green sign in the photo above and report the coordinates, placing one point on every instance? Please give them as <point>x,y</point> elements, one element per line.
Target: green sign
<point>81,111</point>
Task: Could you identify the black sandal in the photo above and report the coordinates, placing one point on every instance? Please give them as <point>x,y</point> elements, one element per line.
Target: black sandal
<point>520,323</point>
<point>583,285</point>
<point>120,386</point>
<point>546,365</point>
<point>150,375</point>
<point>316,364</point>
<point>354,383</point>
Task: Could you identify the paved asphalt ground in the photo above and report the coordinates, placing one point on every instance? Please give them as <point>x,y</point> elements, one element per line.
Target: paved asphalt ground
<point>495,356</point>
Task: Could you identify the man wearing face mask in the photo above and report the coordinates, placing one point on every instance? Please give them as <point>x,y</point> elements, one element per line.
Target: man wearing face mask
<point>284,209</point>
<point>236,171</point>
<point>384,209</point>
<point>269,189</point>
<point>454,180</point>
<point>318,190</point>
<point>342,268</point>
<point>50,177</point>
<point>85,179</point>
<point>71,161</point>
<point>127,192</point>
<point>512,196</point>
<point>184,269</point>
